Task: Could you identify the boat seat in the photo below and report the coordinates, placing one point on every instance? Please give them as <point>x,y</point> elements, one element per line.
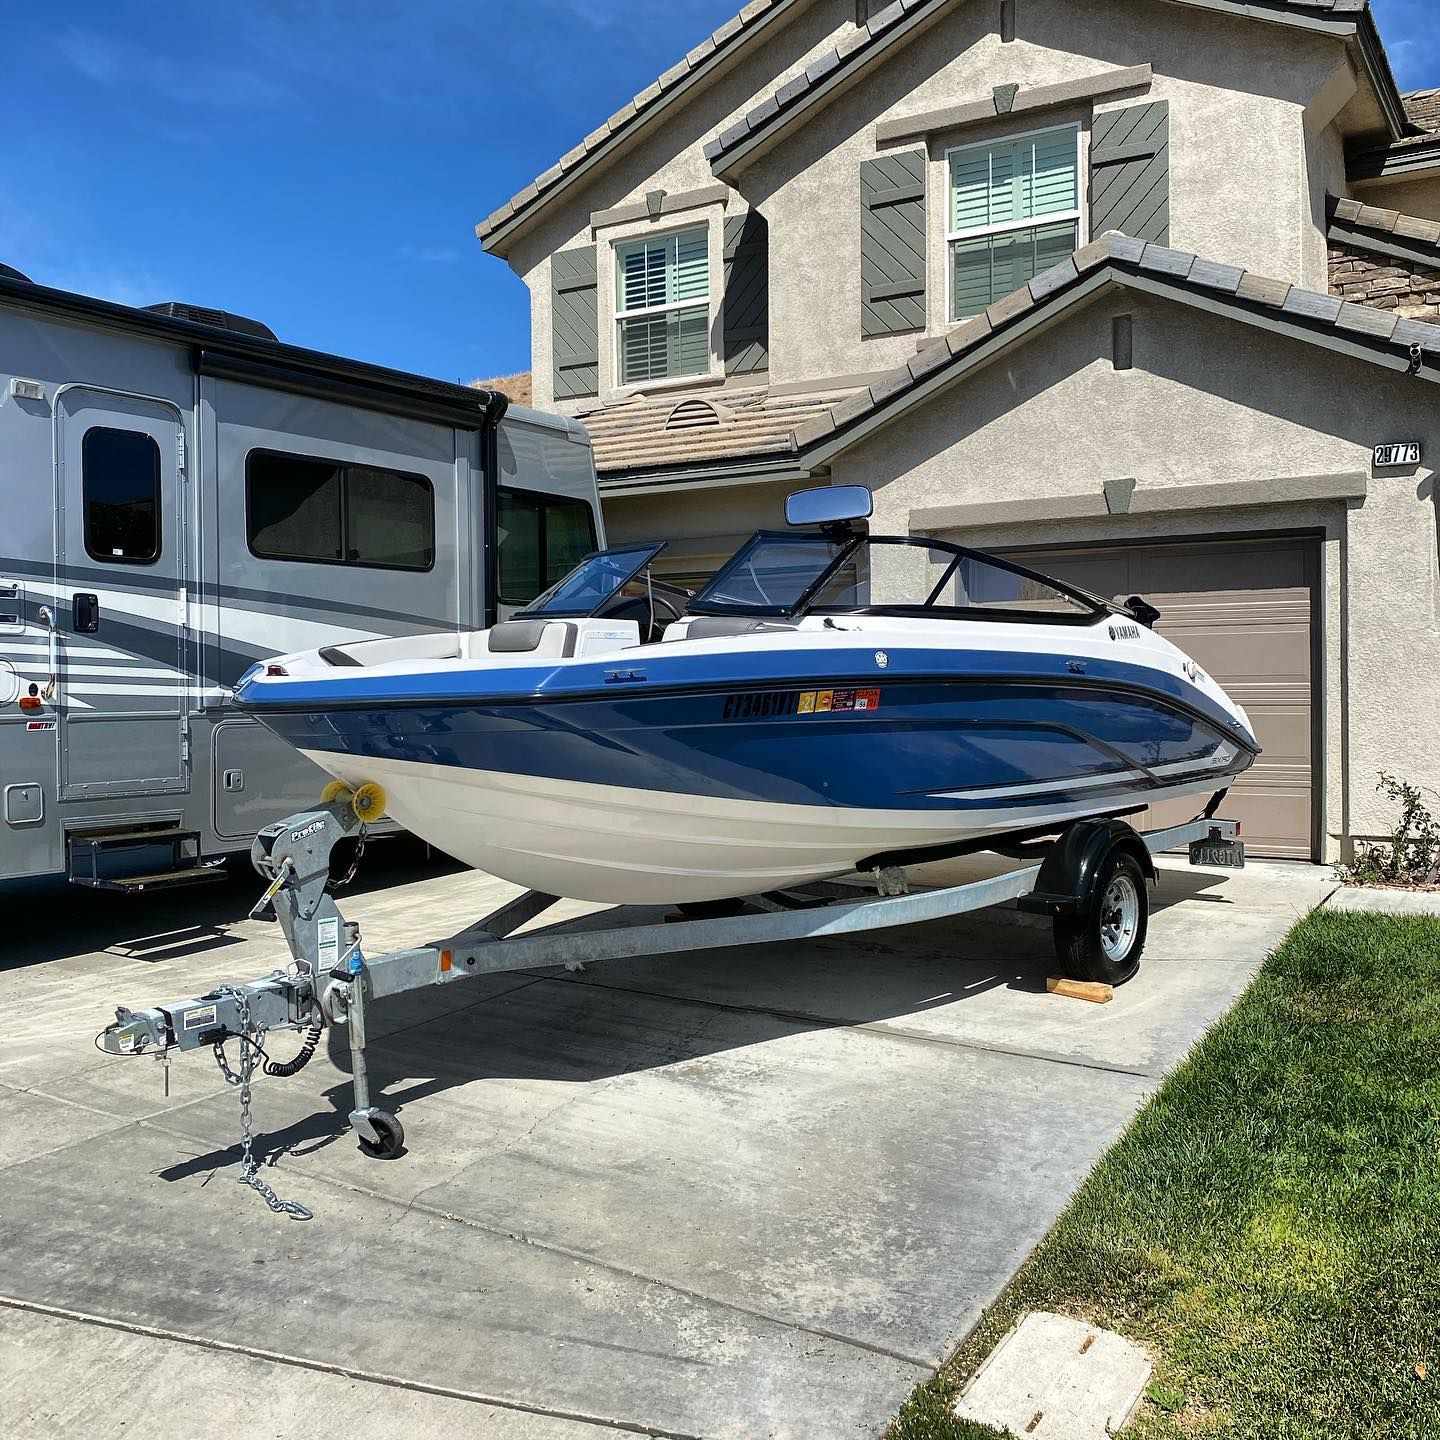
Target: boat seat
<point>552,639</point>
<point>716,627</point>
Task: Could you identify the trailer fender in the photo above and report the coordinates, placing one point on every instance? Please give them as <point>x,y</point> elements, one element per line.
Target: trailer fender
<point>1068,874</point>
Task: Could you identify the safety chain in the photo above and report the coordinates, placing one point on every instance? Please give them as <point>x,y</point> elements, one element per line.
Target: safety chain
<point>251,1039</point>
<point>332,886</point>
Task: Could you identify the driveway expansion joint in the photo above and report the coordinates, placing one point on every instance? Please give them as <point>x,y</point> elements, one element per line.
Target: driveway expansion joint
<point>372,1377</point>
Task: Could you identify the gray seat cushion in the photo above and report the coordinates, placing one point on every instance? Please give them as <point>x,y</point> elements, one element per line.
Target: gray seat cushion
<point>715,627</point>
<point>512,637</point>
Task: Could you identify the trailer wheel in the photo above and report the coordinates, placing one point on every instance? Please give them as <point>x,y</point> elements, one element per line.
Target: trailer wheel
<point>1106,943</point>
<point>391,1133</point>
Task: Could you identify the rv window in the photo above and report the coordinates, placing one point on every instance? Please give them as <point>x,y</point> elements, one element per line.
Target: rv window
<point>329,513</point>
<point>391,519</point>
<point>121,484</point>
<point>294,507</point>
<point>541,538</point>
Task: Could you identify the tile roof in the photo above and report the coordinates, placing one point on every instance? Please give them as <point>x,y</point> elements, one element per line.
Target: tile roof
<point>674,432</point>
<point>1386,222</point>
<point>1321,312</point>
<point>1422,108</point>
<point>860,43</point>
<point>630,115</point>
<point>655,432</point>
<point>897,19</point>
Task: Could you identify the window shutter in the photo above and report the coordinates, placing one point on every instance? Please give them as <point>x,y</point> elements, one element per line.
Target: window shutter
<point>747,294</point>
<point>1130,172</point>
<point>892,244</point>
<point>575,323</point>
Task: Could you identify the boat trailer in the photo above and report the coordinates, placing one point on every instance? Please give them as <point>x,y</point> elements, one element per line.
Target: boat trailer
<point>333,982</point>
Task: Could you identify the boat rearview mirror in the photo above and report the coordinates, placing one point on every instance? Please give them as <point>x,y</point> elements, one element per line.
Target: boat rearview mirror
<point>828,505</point>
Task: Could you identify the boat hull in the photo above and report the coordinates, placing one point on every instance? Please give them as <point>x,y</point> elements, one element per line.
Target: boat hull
<point>615,845</point>
<point>698,795</point>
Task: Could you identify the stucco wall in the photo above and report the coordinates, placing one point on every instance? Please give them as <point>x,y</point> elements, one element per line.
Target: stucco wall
<point>704,526</point>
<point>1245,168</point>
<point>669,157</point>
<point>1213,401</point>
<point>1411,197</point>
<point>1240,177</point>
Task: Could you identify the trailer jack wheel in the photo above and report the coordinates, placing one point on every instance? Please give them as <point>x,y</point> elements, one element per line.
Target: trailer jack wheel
<point>389,1134</point>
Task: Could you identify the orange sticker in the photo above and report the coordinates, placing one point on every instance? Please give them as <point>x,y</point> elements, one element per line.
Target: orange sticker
<point>867,700</point>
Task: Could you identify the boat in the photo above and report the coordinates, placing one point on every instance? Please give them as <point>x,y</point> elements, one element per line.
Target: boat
<point>832,700</point>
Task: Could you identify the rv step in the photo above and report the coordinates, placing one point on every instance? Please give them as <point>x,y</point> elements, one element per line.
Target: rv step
<point>204,874</point>
<point>127,839</point>
<point>104,859</point>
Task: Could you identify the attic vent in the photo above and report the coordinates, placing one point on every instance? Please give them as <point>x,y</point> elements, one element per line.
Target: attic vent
<point>9,272</point>
<point>694,415</point>
<point>220,319</point>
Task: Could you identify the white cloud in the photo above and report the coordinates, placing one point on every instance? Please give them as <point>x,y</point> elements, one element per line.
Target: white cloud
<point>431,254</point>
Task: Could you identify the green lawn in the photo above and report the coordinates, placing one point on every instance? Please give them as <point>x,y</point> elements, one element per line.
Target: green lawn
<point>1269,1227</point>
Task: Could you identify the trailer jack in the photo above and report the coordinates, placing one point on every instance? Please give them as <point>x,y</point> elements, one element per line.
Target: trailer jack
<point>332,982</point>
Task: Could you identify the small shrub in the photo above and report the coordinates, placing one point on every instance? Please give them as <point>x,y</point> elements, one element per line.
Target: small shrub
<point>1411,856</point>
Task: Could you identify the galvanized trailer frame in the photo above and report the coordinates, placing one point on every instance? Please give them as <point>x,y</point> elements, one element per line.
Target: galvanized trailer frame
<point>332,981</point>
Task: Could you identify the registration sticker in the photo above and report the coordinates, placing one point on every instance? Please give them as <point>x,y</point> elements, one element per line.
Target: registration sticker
<point>807,703</point>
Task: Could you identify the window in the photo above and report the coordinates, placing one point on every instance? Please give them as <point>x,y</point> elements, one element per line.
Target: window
<point>1014,211</point>
<point>772,572</point>
<point>541,538</point>
<point>589,586</point>
<point>121,489</point>
<point>330,513</point>
<point>662,307</point>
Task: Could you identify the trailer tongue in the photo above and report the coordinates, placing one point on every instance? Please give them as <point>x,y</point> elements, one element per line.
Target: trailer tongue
<point>332,981</point>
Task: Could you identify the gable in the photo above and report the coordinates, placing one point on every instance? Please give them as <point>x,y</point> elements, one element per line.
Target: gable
<point>831,69</point>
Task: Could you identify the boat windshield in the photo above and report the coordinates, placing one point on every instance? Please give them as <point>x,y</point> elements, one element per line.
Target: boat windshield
<point>596,579</point>
<point>791,575</point>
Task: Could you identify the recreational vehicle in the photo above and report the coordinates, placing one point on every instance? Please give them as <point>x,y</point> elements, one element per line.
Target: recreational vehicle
<point>183,495</point>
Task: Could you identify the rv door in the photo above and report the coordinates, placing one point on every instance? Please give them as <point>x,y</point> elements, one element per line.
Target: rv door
<point>119,614</point>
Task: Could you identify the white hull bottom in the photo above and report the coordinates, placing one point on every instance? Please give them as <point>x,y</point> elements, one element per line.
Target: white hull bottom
<point>619,846</point>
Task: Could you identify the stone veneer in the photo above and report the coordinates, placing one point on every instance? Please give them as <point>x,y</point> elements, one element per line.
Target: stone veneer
<point>1386,283</point>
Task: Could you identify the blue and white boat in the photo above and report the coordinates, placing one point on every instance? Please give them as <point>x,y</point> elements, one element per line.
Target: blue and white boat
<point>830,701</point>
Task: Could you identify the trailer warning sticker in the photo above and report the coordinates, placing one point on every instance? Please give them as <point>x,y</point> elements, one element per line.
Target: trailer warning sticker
<point>200,1018</point>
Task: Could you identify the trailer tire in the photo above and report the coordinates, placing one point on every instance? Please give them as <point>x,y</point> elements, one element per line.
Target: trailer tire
<point>391,1133</point>
<point>1105,943</point>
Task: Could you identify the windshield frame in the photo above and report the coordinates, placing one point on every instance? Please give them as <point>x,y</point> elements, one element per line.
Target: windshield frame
<point>1094,605</point>
<point>537,610</point>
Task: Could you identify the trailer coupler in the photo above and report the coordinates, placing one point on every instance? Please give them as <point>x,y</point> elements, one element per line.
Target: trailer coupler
<point>326,984</point>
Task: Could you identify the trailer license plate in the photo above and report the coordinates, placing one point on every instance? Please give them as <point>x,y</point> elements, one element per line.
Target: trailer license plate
<point>1218,854</point>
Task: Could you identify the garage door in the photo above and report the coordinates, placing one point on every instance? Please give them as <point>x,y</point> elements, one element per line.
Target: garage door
<point>1245,612</point>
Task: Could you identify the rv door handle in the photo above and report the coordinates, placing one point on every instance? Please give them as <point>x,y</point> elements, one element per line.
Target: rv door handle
<point>86,613</point>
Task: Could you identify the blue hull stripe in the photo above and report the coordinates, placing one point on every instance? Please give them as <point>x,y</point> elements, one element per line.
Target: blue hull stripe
<point>730,671</point>
<point>924,737</point>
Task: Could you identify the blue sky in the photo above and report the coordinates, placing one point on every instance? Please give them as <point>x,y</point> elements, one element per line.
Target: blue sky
<point>320,164</point>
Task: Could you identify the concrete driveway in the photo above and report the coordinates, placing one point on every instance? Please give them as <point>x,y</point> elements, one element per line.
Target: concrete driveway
<point>756,1193</point>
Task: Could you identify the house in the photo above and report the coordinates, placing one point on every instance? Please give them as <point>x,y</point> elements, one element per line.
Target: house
<point>1132,289</point>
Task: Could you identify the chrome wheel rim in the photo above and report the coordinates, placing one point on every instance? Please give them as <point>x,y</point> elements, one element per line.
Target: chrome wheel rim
<point>1119,917</point>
